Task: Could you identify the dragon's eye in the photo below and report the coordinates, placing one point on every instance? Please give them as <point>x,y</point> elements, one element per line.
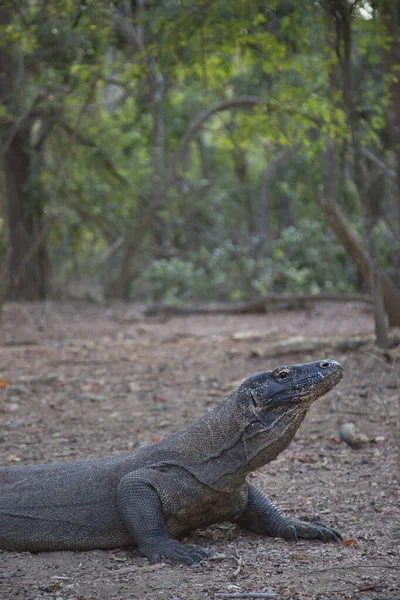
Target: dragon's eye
<point>282,373</point>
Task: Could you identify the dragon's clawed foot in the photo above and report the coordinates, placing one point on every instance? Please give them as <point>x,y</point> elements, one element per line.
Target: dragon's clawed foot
<point>177,552</point>
<point>315,531</point>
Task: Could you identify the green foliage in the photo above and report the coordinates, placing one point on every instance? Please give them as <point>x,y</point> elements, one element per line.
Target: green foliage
<point>304,259</point>
<point>108,80</point>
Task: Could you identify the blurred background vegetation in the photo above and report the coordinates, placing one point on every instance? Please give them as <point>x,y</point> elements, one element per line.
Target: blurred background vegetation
<point>176,150</point>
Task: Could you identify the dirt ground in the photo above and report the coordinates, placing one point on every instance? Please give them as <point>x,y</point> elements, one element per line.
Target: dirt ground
<point>82,381</point>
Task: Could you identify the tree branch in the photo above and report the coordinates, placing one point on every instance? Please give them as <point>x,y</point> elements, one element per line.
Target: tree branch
<point>108,163</point>
<point>19,123</point>
<point>265,182</point>
<point>21,15</point>
<point>104,226</point>
<point>192,130</point>
<point>379,163</point>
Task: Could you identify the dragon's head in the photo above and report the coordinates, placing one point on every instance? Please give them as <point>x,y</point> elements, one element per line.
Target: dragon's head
<point>275,402</point>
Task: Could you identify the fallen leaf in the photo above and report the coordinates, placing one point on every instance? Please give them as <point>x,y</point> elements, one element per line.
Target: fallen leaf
<point>158,398</point>
<point>156,438</point>
<point>13,458</point>
<point>299,556</point>
<point>350,542</point>
<point>3,383</point>
<point>378,439</point>
<point>306,459</point>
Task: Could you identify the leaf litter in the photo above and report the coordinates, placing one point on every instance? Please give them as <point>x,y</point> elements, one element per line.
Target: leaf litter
<point>68,412</point>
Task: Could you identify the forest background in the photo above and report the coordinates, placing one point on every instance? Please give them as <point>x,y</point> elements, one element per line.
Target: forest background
<point>172,150</point>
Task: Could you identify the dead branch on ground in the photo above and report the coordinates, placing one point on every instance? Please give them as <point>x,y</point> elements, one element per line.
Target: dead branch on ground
<point>261,305</point>
<point>301,343</point>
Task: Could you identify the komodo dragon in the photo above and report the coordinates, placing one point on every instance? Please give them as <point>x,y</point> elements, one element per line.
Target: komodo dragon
<point>192,478</point>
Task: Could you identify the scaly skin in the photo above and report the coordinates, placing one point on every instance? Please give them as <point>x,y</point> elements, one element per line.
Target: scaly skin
<point>192,478</point>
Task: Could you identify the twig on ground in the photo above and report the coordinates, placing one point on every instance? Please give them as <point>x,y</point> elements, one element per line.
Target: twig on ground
<point>11,573</point>
<point>144,569</point>
<point>339,591</point>
<point>221,557</point>
<point>348,567</point>
<point>247,595</point>
<point>19,343</point>
<point>358,413</point>
<point>239,561</point>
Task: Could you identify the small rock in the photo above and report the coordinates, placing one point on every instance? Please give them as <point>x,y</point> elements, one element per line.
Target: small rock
<point>351,436</point>
<point>134,387</point>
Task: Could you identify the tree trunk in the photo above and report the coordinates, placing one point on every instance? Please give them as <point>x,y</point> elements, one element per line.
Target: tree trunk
<point>391,19</point>
<point>360,173</point>
<point>263,227</point>
<point>135,36</point>
<point>391,57</point>
<point>23,219</point>
<point>347,238</point>
<point>341,15</point>
<point>24,210</point>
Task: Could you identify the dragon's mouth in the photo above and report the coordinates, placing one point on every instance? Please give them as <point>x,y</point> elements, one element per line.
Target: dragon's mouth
<point>324,380</point>
<point>313,385</point>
